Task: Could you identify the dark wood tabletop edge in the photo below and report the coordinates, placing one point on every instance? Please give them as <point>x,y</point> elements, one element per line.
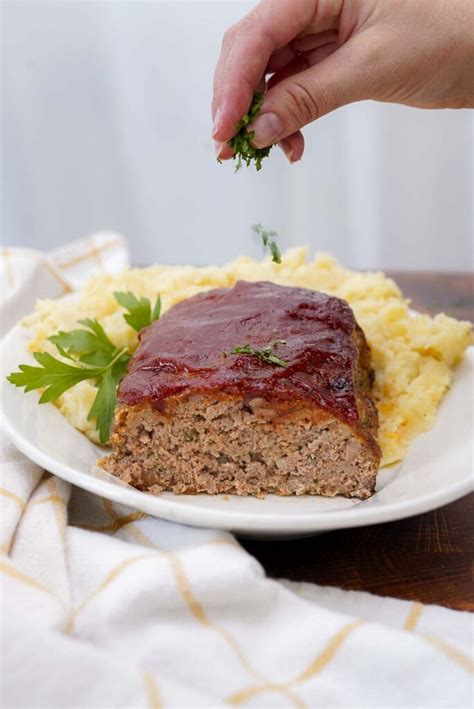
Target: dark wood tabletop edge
<point>428,558</point>
<point>429,273</point>
<point>435,292</point>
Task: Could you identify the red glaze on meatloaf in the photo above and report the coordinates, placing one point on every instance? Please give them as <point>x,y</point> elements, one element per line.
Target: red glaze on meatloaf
<point>183,369</point>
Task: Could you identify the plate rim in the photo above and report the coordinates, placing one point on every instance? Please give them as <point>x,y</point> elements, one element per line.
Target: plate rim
<point>234,520</point>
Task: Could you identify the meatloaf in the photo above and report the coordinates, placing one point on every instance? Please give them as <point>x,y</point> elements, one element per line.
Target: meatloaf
<point>291,414</point>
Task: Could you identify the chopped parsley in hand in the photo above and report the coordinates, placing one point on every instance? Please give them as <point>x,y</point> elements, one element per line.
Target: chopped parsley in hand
<point>265,353</point>
<point>241,143</point>
<point>268,242</point>
<point>90,356</point>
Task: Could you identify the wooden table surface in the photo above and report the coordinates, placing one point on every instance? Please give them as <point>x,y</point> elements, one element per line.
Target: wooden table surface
<point>427,558</point>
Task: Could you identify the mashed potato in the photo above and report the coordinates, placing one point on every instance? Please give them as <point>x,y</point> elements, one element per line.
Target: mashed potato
<point>413,356</point>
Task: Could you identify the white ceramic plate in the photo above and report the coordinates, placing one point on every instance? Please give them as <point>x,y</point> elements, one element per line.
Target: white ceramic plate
<point>437,469</point>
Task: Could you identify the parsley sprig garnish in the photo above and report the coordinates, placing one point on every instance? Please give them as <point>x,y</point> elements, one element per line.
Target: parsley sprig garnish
<point>241,143</point>
<point>140,313</point>
<point>55,377</point>
<point>90,343</point>
<point>267,240</point>
<point>264,353</point>
<point>91,356</point>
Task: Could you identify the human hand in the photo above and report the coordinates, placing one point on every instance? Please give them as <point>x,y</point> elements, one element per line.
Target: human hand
<point>313,56</point>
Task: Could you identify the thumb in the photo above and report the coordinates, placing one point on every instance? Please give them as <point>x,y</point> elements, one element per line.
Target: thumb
<point>341,78</point>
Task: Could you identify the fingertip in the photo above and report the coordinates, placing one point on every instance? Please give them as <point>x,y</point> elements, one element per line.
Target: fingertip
<point>224,126</point>
<point>222,133</point>
<point>293,147</point>
<point>298,143</point>
<point>223,151</point>
<point>216,126</point>
<point>287,149</point>
<point>230,107</point>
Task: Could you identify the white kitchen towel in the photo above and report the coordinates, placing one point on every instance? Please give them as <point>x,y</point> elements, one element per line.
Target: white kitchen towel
<point>103,606</point>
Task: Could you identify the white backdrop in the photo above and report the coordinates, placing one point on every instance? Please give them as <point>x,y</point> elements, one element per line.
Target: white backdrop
<point>106,124</point>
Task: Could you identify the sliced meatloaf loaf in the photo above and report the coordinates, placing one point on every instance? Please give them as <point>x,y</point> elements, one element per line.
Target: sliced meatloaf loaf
<point>290,414</point>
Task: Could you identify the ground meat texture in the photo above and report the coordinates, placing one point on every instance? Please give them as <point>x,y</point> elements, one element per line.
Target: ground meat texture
<point>194,418</point>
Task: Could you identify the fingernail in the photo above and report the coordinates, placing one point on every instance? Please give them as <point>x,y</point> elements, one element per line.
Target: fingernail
<point>218,148</point>
<point>217,122</point>
<point>287,148</point>
<point>267,128</point>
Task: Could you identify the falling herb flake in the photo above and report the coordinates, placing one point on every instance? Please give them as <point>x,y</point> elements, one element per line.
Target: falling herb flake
<point>268,242</point>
